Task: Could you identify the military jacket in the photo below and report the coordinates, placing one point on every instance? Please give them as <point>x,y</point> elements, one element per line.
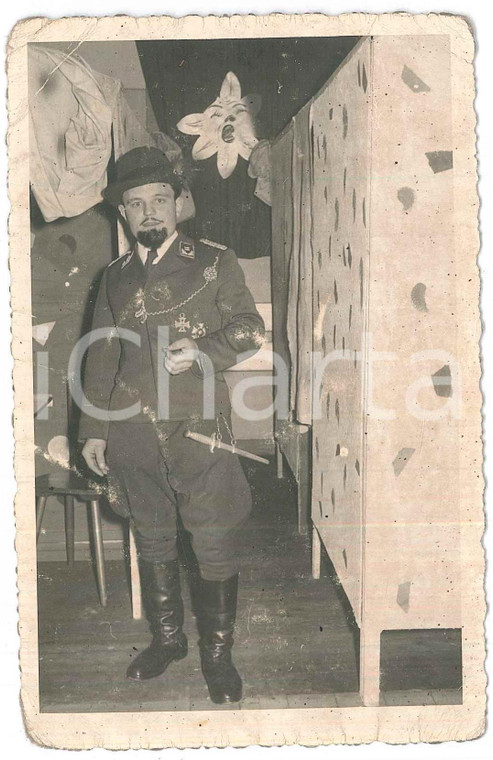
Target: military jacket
<point>196,290</point>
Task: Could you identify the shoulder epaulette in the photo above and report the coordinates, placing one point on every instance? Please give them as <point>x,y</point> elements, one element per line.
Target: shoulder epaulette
<point>123,259</point>
<point>214,245</point>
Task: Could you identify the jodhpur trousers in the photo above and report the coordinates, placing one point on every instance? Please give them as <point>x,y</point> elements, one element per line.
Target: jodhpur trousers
<point>156,473</point>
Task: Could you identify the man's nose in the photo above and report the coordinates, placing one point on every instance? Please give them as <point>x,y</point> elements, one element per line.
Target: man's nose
<point>149,209</point>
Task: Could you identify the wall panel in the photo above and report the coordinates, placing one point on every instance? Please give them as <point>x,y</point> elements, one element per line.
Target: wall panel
<point>340,139</point>
<point>414,455</point>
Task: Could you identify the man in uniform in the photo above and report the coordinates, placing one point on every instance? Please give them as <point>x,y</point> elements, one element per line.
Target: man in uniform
<point>170,316</point>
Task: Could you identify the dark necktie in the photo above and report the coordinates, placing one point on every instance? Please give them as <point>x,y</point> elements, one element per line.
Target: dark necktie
<point>151,257</point>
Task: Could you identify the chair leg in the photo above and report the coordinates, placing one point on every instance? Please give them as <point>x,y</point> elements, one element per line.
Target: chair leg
<point>279,462</point>
<point>40,510</point>
<point>316,554</point>
<point>69,529</point>
<point>134,578</point>
<point>98,550</point>
<point>303,502</point>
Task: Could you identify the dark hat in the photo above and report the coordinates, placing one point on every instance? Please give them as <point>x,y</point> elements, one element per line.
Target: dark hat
<point>141,166</point>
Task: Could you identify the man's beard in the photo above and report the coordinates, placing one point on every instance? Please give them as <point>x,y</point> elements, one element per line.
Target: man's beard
<point>152,238</point>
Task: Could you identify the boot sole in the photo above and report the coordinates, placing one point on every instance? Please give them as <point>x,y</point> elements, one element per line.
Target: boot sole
<point>226,701</point>
<point>178,657</point>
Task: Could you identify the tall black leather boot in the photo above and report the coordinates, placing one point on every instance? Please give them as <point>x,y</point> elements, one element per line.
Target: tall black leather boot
<point>217,615</point>
<point>161,595</point>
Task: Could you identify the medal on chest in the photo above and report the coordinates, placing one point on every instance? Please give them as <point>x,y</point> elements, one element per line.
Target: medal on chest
<point>197,330</point>
<point>182,324</point>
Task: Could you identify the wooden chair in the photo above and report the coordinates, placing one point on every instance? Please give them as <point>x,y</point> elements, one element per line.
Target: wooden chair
<point>71,486</point>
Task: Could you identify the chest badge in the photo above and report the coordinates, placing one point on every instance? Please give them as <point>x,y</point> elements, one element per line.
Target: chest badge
<point>187,250</point>
<point>182,324</point>
<point>198,330</point>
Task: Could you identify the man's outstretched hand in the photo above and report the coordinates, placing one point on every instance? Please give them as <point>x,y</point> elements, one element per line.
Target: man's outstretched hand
<point>93,452</point>
<point>180,355</point>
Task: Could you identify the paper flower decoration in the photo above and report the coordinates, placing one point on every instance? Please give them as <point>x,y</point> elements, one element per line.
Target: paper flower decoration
<point>226,127</point>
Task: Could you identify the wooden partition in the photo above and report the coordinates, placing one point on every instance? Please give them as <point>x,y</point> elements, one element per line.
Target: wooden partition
<point>386,426</point>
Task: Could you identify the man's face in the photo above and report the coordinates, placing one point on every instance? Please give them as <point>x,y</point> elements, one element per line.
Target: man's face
<point>151,212</point>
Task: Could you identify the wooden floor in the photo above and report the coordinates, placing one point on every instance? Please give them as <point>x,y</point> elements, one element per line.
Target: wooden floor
<point>295,645</point>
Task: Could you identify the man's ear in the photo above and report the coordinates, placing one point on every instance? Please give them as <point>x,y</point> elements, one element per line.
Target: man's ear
<point>179,206</point>
<point>121,209</point>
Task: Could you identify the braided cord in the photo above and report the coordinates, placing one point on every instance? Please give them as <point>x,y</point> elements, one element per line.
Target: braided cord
<point>210,274</point>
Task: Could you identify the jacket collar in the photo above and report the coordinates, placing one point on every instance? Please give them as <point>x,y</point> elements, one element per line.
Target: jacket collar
<point>162,251</point>
<point>180,255</point>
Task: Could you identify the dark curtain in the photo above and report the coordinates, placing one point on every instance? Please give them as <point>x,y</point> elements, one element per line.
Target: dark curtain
<point>185,76</point>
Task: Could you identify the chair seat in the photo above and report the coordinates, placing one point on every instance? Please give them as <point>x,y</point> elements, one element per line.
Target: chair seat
<point>66,483</point>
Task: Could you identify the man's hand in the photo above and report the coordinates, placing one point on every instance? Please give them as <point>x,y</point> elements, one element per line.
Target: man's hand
<point>93,453</point>
<point>180,355</point>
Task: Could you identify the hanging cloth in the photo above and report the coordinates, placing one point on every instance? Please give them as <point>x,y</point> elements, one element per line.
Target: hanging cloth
<point>299,313</point>
<point>70,109</point>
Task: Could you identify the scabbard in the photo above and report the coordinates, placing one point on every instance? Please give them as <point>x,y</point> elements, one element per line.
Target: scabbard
<point>214,443</point>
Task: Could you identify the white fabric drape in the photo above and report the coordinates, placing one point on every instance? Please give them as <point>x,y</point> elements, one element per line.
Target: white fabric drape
<point>71,111</point>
